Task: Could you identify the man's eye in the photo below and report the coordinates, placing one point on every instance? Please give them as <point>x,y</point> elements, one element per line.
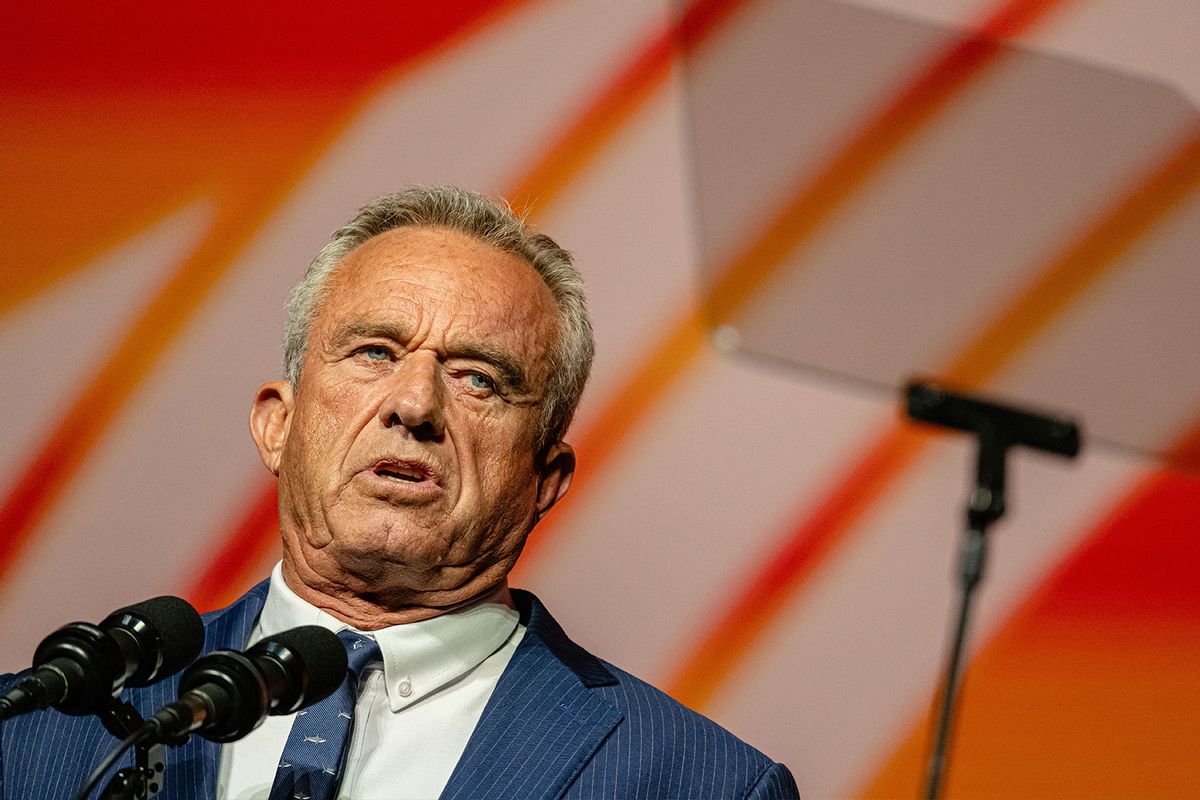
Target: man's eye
<point>477,380</point>
<point>375,352</point>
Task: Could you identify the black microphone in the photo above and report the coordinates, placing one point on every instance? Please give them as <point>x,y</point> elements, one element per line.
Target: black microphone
<point>81,667</point>
<point>227,694</point>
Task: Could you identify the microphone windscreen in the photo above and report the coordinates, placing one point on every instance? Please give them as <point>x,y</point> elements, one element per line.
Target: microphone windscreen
<point>172,626</point>
<point>322,654</point>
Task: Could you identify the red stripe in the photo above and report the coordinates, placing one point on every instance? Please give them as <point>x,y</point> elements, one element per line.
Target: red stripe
<point>246,546</point>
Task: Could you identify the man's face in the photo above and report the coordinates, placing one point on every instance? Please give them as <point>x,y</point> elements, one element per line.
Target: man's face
<point>405,457</point>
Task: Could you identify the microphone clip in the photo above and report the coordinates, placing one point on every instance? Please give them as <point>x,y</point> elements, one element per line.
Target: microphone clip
<point>144,779</point>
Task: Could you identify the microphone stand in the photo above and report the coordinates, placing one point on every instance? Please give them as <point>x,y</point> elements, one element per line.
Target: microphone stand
<point>985,506</point>
<point>145,778</point>
<point>997,428</point>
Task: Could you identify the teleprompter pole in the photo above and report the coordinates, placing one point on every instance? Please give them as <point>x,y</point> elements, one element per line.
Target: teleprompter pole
<point>996,428</point>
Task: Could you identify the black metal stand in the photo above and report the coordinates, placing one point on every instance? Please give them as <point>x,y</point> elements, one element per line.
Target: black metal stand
<point>997,428</point>
<point>985,506</point>
<point>145,778</point>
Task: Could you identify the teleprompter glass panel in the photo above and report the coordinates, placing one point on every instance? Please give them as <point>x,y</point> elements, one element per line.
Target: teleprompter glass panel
<point>880,198</point>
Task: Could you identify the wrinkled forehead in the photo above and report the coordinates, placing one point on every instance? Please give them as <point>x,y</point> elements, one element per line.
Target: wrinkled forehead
<point>448,287</point>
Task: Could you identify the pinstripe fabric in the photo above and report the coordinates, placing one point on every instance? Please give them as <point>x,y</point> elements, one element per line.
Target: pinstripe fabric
<point>561,723</point>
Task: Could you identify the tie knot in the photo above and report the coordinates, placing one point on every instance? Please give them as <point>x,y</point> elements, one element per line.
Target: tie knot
<point>360,651</point>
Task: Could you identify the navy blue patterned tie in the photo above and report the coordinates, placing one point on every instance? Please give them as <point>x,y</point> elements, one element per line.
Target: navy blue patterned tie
<point>314,757</point>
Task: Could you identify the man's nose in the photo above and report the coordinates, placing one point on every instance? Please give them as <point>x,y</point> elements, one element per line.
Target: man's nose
<point>415,397</point>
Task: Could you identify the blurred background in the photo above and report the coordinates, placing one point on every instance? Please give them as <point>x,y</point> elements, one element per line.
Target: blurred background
<point>783,209</point>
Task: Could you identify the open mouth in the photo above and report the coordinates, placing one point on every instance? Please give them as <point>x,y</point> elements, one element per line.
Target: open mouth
<point>397,475</point>
<point>402,473</point>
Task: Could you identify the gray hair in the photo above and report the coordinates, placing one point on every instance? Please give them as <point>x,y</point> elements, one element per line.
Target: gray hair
<point>493,223</point>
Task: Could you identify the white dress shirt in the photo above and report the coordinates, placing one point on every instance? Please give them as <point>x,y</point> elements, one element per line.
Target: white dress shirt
<point>416,709</point>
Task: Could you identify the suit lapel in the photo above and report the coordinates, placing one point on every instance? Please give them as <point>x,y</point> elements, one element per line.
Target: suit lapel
<point>543,721</point>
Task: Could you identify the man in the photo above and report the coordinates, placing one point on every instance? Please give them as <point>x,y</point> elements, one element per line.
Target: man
<point>435,354</point>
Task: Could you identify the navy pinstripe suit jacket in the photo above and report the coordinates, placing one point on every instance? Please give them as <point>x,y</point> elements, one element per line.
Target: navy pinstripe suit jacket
<point>560,724</point>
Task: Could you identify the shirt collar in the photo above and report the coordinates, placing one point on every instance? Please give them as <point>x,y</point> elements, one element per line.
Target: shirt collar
<point>419,657</point>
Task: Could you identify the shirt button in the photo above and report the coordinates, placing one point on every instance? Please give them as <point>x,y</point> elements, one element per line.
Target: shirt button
<point>404,687</point>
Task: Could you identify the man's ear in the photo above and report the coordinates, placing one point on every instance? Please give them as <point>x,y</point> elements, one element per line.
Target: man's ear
<point>556,467</point>
<point>270,420</point>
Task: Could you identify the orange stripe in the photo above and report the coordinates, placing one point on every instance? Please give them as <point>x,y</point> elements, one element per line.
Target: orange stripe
<point>1088,259</point>
<point>1062,281</point>
<point>244,208</point>
<point>813,204</point>
<point>570,154</point>
<point>20,286</point>
<point>666,364</point>
<point>645,74</point>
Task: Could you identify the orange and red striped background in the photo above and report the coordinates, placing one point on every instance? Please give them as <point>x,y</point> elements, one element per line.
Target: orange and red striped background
<point>761,538</point>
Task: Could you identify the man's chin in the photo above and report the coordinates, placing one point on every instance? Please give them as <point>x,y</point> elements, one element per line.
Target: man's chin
<point>379,550</point>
